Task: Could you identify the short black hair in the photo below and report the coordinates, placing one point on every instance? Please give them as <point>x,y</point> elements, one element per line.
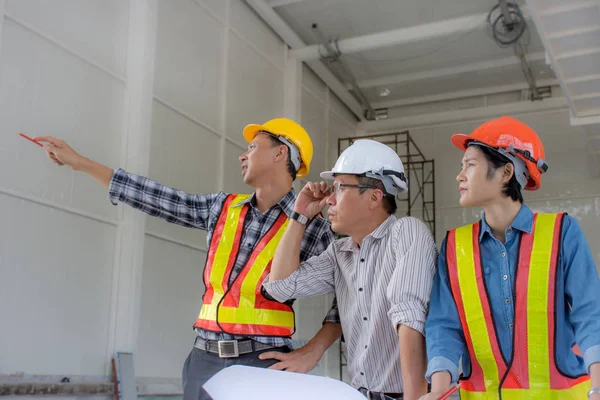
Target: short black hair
<point>290,165</point>
<point>496,160</point>
<point>389,201</point>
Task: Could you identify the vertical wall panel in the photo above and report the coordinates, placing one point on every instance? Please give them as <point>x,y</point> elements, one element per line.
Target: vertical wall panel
<point>313,120</point>
<point>184,156</point>
<point>171,298</point>
<point>188,63</point>
<point>254,90</point>
<point>247,25</point>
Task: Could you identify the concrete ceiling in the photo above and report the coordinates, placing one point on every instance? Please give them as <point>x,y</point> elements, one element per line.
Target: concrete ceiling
<point>571,35</point>
<point>451,51</point>
<point>433,50</point>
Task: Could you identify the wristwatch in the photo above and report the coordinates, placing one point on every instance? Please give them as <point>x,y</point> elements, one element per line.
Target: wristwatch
<point>592,391</point>
<point>303,219</point>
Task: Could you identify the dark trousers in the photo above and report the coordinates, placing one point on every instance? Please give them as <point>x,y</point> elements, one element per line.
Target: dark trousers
<point>200,366</point>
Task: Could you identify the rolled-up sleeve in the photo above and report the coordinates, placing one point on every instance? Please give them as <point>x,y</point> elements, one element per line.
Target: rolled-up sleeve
<point>410,287</point>
<point>313,277</point>
<point>444,336</point>
<point>333,315</point>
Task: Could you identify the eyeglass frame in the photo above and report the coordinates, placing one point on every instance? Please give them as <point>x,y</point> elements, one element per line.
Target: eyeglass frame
<point>335,187</point>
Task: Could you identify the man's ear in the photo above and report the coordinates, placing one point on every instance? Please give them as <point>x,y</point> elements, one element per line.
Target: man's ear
<point>282,152</point>
<point>375,199</point>
<point>507,172</point>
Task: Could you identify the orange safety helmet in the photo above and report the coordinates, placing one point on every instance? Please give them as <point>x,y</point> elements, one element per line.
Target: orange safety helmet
<point>513,139</point>
<point>289,131</point>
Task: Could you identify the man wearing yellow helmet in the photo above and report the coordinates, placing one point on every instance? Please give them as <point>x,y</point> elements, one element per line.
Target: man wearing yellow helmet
<point>238,322</point>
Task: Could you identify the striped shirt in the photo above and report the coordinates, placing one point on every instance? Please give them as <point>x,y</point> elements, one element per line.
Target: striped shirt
<point>384,283</point>
<point>201,211</point>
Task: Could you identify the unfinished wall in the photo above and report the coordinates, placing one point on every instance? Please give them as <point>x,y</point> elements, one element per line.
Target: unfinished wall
<point>62,73</point>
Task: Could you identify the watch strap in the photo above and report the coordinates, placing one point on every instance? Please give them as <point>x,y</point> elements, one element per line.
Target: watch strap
<point>303,219</point>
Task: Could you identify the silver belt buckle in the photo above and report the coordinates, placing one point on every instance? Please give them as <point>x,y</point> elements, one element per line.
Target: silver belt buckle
<point>228,348</point>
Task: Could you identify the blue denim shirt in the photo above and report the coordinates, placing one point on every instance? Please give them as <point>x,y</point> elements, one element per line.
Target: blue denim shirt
<point>578,285</point>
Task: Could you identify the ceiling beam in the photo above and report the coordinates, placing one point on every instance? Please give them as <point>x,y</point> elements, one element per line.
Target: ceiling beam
<point>395,37</point>
<point>461,94</point>
<point>291,38</point>
<point>568,7</point>
<point>580,30</point>
<point>447,71</point>
<point>280,3</point>
<point>591,120</point>
<point>466,115</point>
<point>584,78</point>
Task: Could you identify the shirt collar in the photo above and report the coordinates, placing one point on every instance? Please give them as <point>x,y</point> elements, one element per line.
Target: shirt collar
<point>383,228</point>
<point>286,203</point>
<point>523,222</point>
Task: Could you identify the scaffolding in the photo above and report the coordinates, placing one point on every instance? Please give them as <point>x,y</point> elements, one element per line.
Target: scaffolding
<point>418,200</point>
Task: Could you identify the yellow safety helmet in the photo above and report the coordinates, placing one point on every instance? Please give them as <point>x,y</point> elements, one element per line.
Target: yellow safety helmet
<point>292,132</point>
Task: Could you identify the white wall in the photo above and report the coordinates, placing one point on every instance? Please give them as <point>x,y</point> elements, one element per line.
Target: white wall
<point>62,73</point>
<point>77,283</point>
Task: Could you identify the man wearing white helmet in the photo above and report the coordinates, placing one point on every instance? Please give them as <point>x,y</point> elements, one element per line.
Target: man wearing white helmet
<point>381,273</point>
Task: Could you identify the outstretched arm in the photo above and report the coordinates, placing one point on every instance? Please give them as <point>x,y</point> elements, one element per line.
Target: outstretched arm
<point>146,195</point>
<point>62,154</point>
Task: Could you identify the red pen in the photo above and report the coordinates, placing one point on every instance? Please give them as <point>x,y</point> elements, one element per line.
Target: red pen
<point>31,140</point>
<point>450,392</point>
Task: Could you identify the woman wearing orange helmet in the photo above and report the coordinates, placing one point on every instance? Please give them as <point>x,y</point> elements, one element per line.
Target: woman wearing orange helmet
<point>515,291</point>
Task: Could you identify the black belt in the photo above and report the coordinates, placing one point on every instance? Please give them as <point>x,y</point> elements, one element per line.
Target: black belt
<point>230,348</point>
<point>380,395</point>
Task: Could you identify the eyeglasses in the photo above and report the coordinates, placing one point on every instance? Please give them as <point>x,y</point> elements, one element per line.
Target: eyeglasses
<point>336,187</point>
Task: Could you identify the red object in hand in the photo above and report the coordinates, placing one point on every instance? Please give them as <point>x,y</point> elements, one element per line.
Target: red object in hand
<point>449,392</point>
<point>31,140</point>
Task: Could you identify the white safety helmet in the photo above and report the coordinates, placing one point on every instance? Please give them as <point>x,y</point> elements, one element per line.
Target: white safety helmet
<point>374,160</point>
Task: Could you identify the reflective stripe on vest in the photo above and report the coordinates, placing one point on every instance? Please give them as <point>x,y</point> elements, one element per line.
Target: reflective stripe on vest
<point>240,308</point>
<point>531,373</point>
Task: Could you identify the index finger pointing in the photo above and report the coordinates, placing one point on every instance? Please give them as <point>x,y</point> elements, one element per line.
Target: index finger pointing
<point>47,139</point>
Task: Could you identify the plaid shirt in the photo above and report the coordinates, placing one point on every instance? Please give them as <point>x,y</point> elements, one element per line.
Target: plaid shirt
<point>201,211</point>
